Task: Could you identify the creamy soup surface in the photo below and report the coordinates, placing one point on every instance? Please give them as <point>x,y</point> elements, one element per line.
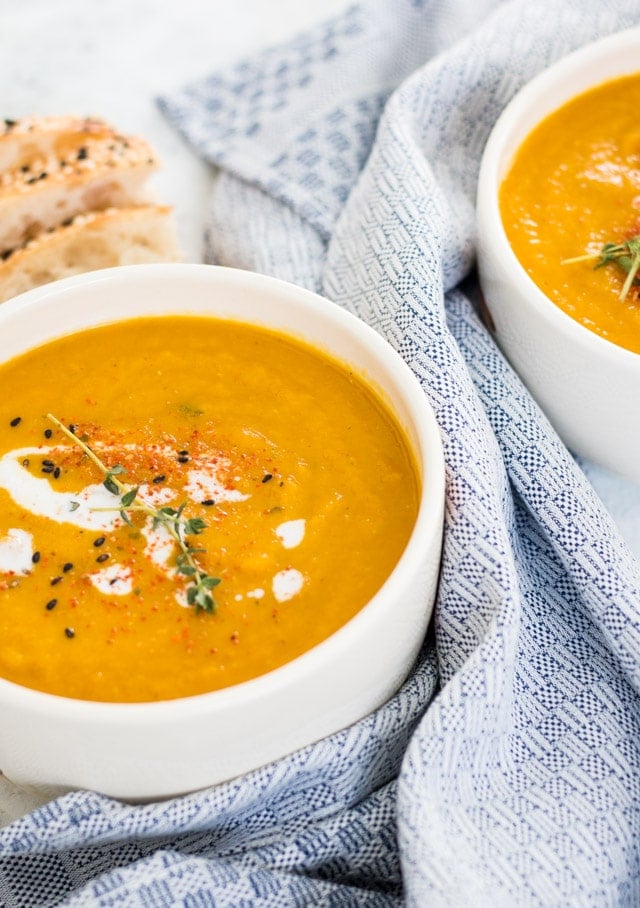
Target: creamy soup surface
<point>305,485</point>
<point>573,187</point>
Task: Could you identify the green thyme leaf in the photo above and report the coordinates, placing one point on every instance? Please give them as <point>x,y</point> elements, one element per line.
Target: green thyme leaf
<point>129,497</point>
<point>110,486</point>
<point>192,592</point>
<point>195,525</point>
<point>188,410</point>
<point>203,601</point>
<point>186,569</point>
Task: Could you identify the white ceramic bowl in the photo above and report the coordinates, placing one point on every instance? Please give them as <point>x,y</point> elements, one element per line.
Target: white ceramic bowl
<point>587,386</point>
<point>149,750</point>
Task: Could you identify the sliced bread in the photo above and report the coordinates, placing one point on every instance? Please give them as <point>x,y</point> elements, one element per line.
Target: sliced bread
<point>99,239</point>
<point>54,168</point>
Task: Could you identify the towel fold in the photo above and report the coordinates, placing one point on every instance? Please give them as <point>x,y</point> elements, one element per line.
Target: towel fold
<point>506,771</point>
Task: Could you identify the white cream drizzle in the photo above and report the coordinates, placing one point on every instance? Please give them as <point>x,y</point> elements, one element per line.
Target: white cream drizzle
<point>204,482</point>
<point>291,533</point>
<point>114,580</point>
<point>255,594</point>
<point>287,584</point>
<point>155,496</point>
<point>36,494</point>
<point>160,546</point>
<point>16,549</point>
<point>181,598</point>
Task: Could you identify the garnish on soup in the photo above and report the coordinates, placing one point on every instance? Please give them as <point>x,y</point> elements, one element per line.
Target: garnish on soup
<point>625,255</point>
<point>171,519</point>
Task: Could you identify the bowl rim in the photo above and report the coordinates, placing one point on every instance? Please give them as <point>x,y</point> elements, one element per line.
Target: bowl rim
<point>427,527</point>
<point>495,163</point>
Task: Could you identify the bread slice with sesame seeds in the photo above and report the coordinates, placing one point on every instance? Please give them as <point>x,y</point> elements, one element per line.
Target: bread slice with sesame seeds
<point>54,168</point>
<point>29,142</point>
<point>99,239</point>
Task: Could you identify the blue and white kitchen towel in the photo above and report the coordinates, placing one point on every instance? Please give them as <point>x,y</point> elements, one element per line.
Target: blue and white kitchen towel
<point>506,772</point>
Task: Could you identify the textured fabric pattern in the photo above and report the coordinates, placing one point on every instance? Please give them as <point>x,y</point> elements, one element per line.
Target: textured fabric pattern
<point>506,770</point>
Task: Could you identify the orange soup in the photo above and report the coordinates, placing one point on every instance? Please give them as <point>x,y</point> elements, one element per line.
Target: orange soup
<point>290,487</point>
<point>573,188</point>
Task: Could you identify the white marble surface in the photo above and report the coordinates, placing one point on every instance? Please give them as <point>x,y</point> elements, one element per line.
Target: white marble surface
<point>111,59</point>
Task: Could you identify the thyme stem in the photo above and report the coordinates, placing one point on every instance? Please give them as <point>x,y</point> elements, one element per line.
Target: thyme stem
<point>625,255</point>
<point>178,527</point>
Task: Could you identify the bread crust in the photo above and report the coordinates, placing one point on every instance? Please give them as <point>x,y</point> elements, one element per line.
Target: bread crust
<point>32,140</point>
<point>98,239</point>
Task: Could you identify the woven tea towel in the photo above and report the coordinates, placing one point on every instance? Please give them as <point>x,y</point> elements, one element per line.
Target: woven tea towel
<point>506,771</point>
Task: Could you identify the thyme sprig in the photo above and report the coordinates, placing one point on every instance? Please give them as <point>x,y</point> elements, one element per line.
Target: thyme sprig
<point>201,584</point>
<point>625,255</point>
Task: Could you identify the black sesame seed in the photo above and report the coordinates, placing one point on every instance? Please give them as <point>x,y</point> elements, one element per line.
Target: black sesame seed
<point>35,557</point>
<point>55,581</point>
<point>56,473</point>
<point>6,254</point>
<point>267,477</point>
<point>82,153</point>
<point>102,557</point>
<point>72,428</point>
<point>48,433</point>
<point>51,604</point>
<point>158,479</point>
<point>99,541</point>
<point>183,453</point>
<point>208,502</point>
<point>15,421</point>
<point>25,168</point>
<point>69,632</point>
<point>48,463</point>
<point>9,123</point>
<point>48,469</point>
<point>67,566</point>
<point>183,458</point>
